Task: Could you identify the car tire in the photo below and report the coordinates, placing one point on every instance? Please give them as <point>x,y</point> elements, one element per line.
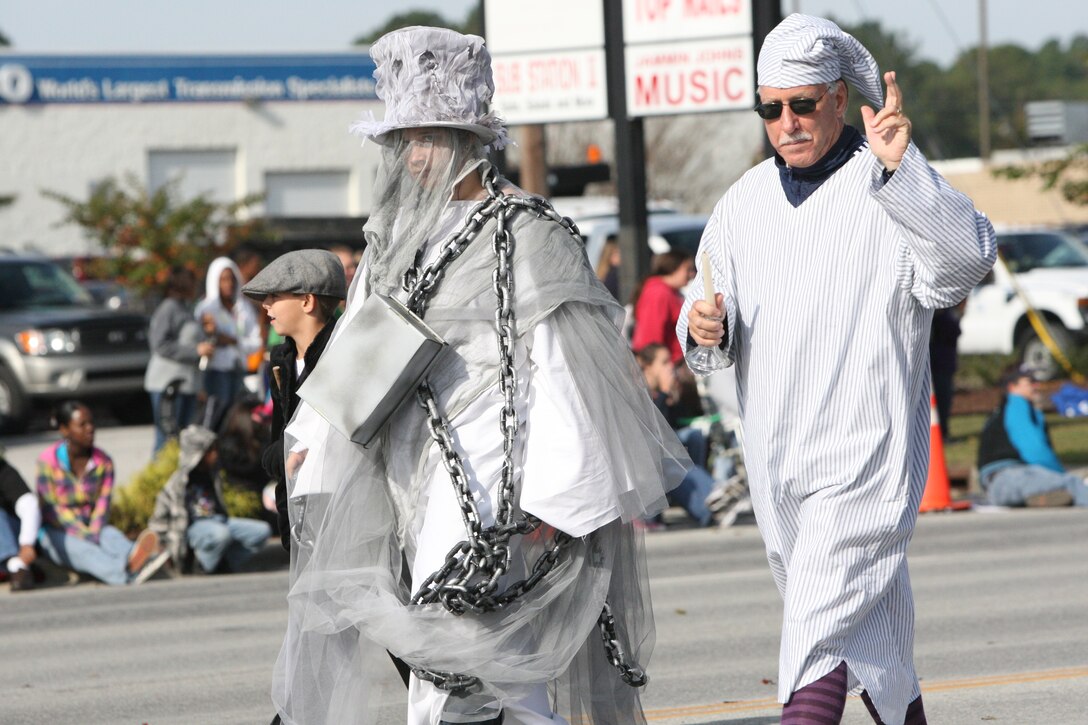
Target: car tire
<point>14,405</point>
<point>1035,354</point>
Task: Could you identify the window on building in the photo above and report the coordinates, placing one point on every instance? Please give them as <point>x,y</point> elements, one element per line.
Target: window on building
<point>307,194</point>
<point>211,173</point>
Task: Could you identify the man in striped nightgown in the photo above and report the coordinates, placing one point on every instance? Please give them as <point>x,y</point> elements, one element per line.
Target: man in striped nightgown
<point>829,260</point>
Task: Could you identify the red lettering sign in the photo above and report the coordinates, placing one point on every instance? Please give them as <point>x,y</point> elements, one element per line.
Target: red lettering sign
<point>711,8</point>
<point>688,87</point>
<point>652,11</point>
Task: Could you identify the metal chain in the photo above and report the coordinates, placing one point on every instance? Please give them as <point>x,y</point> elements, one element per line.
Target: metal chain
<point>468,580</point>
<point>447,680</point>
<point>633,675</point>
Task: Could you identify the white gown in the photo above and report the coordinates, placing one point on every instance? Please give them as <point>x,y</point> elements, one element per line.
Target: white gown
<point>829,307</point>
<point>593,454</point>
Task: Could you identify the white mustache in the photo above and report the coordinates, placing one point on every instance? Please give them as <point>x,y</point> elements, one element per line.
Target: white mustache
<point>784,139</point>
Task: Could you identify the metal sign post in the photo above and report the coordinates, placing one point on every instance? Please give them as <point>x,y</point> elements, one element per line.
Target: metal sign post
<point>765,16</point>
<point>630,155</point>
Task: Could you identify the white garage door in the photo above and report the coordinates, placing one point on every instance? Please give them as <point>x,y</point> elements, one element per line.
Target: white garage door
<point>211,173</point>
<point>306,194</point>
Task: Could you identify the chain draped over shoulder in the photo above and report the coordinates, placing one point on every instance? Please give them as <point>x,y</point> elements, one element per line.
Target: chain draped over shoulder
<point>535,609</point>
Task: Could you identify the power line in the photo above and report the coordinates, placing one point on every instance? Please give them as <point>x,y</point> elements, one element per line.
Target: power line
<point>948,27</point>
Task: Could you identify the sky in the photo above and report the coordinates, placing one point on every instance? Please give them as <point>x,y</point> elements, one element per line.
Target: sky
<point>938,28</point>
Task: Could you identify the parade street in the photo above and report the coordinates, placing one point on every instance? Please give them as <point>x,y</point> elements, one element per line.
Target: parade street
<point>1002,633</point>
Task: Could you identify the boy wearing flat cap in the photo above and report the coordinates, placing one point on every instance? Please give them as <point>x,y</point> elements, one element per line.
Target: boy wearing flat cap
<point>299,291</point>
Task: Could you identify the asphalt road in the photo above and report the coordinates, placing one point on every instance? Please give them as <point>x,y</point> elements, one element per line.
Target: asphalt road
<point>1002,634</point>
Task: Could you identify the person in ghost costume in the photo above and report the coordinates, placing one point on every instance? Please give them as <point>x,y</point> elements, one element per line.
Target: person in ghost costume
<point>828,261</point>
<point>537,424</point>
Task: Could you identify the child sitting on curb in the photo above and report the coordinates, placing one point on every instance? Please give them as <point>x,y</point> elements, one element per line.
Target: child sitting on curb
<point>75,482</point>
<point>190,514</point>
<point>20,519</point>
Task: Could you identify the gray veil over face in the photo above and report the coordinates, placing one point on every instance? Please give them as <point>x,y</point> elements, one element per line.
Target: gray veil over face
<point>417,174</point>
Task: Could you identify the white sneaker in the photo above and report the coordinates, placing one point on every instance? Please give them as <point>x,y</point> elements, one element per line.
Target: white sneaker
<point>149,569</point>
<point>728,516</point>
<point>725,493</point>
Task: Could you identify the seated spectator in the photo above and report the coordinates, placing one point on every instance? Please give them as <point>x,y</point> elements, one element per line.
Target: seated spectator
<point>20,519</point>
<point>242,437</point>
<point>190,514</point>
<point>75,481</point>
<point>1016,461</point>
<point>707,501</point>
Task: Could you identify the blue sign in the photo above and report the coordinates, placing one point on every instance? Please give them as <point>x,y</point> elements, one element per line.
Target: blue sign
<point>41,79</point>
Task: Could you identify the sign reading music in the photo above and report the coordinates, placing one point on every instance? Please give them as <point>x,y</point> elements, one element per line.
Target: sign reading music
<point>682,56</point>
<point>689,77</point>
<point>687,56</point>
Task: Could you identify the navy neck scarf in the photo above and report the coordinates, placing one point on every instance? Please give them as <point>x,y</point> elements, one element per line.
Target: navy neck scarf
<point>799,184</point>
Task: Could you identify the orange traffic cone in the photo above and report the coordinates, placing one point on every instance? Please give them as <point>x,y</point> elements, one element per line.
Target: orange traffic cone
<point>937,496</point>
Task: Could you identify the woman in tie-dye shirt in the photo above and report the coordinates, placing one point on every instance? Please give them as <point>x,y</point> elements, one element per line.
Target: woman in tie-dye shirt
<point>74,483</point>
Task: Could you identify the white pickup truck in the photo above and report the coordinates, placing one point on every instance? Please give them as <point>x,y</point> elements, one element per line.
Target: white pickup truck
<point>1051,268</point>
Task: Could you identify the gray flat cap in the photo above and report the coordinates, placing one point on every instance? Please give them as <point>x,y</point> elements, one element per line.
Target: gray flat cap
<point>305,271</point>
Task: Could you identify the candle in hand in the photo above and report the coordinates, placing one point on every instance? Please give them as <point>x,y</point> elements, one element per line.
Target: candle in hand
<point>708,280</point>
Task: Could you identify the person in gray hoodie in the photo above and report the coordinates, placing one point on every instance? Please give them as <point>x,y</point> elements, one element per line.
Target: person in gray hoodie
<point>190,514</point>
<point>177,346</point>
<point>236,332</point>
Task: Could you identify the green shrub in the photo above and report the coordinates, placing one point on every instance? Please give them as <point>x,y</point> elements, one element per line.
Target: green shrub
<point>977,372</point>
<point>241,502</point>
<point>132,505</point>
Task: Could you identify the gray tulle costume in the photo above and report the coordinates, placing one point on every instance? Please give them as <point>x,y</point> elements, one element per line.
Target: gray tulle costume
<point>368,512</point>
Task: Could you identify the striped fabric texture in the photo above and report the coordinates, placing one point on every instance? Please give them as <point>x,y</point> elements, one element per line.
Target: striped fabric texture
<point>804,50</point>
<point>829,307</point>
<point>818,703</point>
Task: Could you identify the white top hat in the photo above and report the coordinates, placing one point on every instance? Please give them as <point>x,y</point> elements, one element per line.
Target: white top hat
<point>433,77</point>
<point>804,50</point>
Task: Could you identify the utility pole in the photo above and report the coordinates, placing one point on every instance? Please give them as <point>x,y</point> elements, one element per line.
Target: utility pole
<point>983,86</point>
<point>630,155</point>
<point>765,16</point>
<point>534,167</point>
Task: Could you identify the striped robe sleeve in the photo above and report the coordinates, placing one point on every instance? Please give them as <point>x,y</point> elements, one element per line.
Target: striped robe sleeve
<point>947,246</point>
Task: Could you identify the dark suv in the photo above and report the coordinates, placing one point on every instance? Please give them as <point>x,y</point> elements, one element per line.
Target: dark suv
<point>56,343</point>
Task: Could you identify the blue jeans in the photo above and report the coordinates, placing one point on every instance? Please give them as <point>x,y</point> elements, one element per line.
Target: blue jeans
<point>106,561</point>
<point>1011,485</point>
<point>217,538</point>
<point>184,408</point>
<point>691,495</point>
<point>695,443</point>
<point>222,386</point>
<point>9,536</point>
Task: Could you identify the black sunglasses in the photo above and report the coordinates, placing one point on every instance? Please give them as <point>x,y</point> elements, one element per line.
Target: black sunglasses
<point>799,106</point>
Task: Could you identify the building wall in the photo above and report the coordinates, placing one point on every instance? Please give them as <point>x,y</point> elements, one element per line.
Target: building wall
<point>69,148</point>
<point>1020,202</point>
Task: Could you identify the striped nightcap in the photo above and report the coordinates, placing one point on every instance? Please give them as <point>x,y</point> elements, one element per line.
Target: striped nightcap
<point>804,50</point>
